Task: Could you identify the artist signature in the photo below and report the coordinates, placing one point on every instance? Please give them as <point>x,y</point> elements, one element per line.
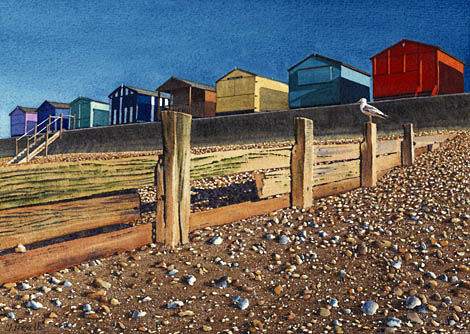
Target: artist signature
<point>36,328</point>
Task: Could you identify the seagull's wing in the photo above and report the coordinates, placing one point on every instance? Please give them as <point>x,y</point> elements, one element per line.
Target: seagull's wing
<point>373,111</point>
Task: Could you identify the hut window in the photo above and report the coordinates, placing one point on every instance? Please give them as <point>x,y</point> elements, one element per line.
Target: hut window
<point>116,95</point>
<point>233,78</point>
<point>315,75</point>
<point>127,91</point>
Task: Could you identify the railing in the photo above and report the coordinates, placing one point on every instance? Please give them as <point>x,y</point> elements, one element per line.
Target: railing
<point>33,138</point>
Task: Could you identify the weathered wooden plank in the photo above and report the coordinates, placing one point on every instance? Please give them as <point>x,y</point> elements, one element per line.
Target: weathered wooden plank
<point>272,183</point>
<point>327,153</point>
<point>278,182</point>
<point>160,206</point>
<point>176,173</point>
<point>301,164</point>
<point>388,161</point>
<point>231,162</point>
<point>388,147</point>
<point>42,183</point>
<point>235,212</point>
<point>407,149</point>
<point>41,222</point>
<point>335,188</point>
<point>18,266</point>
<point>426,140</point>
<point>369,156</point>
<point>337,171</point>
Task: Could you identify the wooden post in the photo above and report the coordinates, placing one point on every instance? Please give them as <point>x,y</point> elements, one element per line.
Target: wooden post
<point>74,122</point>
<point>176,165</point>
<point>27,149</point>
<point>189,100</point>
<point>369,156</point>
<point>160,208</point>
<point>61,124</point>
<point>159,117</point>
<point>35,132</point>
<point>16,147</point>
<point>48,128</point>
<point>302,164</point>
<point>407,147</point>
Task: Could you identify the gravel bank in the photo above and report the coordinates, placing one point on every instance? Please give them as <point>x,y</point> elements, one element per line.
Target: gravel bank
<point>392,258</point>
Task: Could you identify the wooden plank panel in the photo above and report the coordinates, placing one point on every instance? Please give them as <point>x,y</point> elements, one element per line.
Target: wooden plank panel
<point>326,153</point>
<point>278,182</point>
<point>388,147</point>
<point>335,188</point>
<point>230,162</point>
<point>235,212</point>
<point>19,266</point>
<point>41,222</point>
<point>388,161</point>
<point>272,183</point>
<point>426,140</point>
<point>42,183</point>
<point>337,171</point>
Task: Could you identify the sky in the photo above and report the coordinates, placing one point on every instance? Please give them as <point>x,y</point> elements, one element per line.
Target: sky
<point>59,50</point>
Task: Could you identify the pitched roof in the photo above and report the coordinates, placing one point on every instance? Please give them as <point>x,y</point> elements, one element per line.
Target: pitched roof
<point>316,55</point>
<point>87,98</point>
<point>59,105</point>
<point>256,75</point>
<point>143,91</point>
<point>25,110</point>
<point>139,91</point>
<point>189,83</point>
<point>424,44</point>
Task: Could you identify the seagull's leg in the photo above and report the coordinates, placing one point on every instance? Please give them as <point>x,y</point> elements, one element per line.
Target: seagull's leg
<point>370,119</point>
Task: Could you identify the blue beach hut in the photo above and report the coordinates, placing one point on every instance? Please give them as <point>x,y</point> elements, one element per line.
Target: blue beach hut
<point>319,80</point>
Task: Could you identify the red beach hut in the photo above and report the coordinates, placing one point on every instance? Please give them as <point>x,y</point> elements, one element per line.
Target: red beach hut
<point>410,68</point>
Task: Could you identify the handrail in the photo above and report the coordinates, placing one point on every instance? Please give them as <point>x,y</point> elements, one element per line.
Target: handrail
<point>17,139</point>
<point>47,129</point>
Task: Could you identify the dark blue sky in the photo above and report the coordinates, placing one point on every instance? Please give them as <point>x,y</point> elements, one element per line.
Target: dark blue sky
<point>59,50</point>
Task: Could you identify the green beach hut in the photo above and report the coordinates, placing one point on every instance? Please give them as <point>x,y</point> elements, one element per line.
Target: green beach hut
<point>89,113</point>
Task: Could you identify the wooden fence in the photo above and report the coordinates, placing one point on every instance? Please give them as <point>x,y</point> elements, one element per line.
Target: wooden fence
<point>297,173</point>
<point>69,200</point>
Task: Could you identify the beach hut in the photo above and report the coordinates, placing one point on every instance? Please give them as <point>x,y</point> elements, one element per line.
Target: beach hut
<point>240,91</point>
<point>53,109</point>
<point>409,68</point>
<point>22,120</point>
<point>134,105</point>
<point>190,97</point>
<point>318,80</point>
<point>89,113</point>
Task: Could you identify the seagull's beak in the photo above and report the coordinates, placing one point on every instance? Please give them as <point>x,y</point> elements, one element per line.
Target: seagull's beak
<point>358,100</point>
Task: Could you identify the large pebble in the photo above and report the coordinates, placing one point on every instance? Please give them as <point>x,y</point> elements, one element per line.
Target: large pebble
<point>393,322</point>
<point>138,314</point>
<point>370,307</point>
<point>414,317</point>
<point>34,305</point>
<point>175,304</point>
<point>217,240</point>
<point>191,279</point>
<point>412,302</point>
<point>20,249</point>
<point>284,239</point>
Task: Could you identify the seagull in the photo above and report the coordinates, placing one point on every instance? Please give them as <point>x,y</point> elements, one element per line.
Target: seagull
<point>371,111</point>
